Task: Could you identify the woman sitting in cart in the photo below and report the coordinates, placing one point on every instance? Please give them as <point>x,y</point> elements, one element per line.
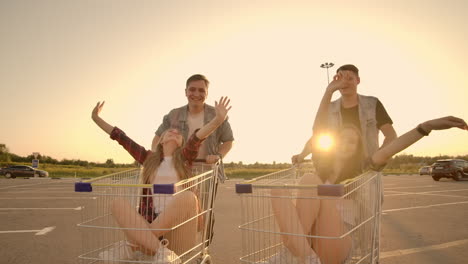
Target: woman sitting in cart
<point>321,217</point>
<point>170,163</point>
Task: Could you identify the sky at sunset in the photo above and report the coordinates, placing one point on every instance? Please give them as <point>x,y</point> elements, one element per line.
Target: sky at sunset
<point>58,58</point>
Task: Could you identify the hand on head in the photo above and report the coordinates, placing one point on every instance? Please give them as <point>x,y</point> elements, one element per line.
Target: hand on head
<point>338,81</point>
<point>222,108</point>
<point>97,109</point>
<point>445,123</point>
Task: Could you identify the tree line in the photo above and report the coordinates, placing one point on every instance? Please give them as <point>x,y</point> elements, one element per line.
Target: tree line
<point>7,157</point>
<point>395,163</point>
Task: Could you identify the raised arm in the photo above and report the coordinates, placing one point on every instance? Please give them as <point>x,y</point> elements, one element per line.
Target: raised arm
<point>98,120</point>
<point>321,118</point>
<point>221,108</point>
<point>305,151</point>
<point>138,152</point>
<point>386,152</point>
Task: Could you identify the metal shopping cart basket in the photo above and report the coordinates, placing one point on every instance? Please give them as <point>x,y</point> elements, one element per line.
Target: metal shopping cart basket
<point>100,231</point>
<point>357,203</point>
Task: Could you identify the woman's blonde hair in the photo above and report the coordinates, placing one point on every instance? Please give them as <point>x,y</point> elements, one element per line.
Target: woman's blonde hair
<point>325,162</point>
<point>154,159</point>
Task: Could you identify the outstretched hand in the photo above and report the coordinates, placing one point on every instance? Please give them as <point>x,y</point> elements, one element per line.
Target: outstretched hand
<point>98,120</point>
<point>222,108</point>
<point>97,109</point>
<point>297,159</point>
<point>445,123</point>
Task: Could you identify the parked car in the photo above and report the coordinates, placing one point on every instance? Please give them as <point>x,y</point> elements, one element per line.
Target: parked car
<point>22,171</point>
<point>450,168</point>
<point>426,170</point>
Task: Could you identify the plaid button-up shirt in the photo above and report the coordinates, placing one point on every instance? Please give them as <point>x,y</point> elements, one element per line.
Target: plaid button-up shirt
<point>139,153</point>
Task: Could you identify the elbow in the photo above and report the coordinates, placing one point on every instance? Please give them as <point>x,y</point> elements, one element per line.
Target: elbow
<point>380,159</point>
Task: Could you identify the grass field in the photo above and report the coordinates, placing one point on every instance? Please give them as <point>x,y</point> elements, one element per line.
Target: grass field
<point>242,173</point>
<point>74,171</point>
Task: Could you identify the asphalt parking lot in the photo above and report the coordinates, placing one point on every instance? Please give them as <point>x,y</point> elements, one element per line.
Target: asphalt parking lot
<point>423,221</point>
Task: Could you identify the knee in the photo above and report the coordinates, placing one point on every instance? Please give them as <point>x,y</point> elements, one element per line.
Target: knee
<point>310,178</point>
<point>187,198</point>
<point>118,205</point>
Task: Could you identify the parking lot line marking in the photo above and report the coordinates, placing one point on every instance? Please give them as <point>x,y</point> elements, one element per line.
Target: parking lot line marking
<point>44,188</point>
<point>424,206</point>
<point>391,191</point>
<point>402,252</point>
<point>411,187</point>
<point>38,191</point>
<point>454,190</point>
<point>37,198</point>
<point>424,193</point>
<point>397,193</point>
<point>12,186</point>
<point>40,232</point>
<point>76,208</point>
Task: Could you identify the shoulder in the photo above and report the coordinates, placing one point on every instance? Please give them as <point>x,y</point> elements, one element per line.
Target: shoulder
<point>176,112</point>
<point>178,109</point>
<point>210,112</point>
<point>370,101</point>
<point>368,98</point>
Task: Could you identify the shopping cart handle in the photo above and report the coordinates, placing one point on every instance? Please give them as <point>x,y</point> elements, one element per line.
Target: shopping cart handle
<point>83,187</point>
<point>330,190</point>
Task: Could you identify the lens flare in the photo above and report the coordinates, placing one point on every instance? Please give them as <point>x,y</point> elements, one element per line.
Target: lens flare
<point>325,142</point>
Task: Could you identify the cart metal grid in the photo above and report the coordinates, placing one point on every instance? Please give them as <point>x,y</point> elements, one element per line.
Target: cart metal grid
<point>100,230</point>
<point>358,207</point>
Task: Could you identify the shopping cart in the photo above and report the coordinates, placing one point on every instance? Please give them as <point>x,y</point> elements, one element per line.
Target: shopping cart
<point>101,233</point>
<point>358,207</point>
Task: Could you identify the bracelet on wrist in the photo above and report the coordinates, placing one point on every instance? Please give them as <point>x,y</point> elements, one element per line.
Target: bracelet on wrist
<point>422,131</point>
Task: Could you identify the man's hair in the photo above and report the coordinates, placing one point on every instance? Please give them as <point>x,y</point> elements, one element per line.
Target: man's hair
<point>349,67</point>
<point>197,77</point>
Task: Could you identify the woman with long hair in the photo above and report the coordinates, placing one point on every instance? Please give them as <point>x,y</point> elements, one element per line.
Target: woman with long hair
<point>170,163</point>
<point>321,217</point>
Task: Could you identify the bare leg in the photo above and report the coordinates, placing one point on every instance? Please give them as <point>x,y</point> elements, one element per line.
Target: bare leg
<point>330,223</point>
<point>184,207</point>
<point>308,207</point>
<point>288,222</point>
<point>178,210</point>
<point>127,217</point>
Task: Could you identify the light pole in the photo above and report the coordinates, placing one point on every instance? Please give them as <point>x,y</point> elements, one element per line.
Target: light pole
<point>327,65</point>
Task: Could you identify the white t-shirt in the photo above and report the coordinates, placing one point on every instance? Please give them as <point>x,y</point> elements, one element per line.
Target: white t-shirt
<point>165,174</point>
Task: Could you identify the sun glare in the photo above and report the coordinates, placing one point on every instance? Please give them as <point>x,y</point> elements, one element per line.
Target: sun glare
<point>325,142</point>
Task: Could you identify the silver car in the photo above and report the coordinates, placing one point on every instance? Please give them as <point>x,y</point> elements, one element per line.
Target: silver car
<point>426,170</point>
